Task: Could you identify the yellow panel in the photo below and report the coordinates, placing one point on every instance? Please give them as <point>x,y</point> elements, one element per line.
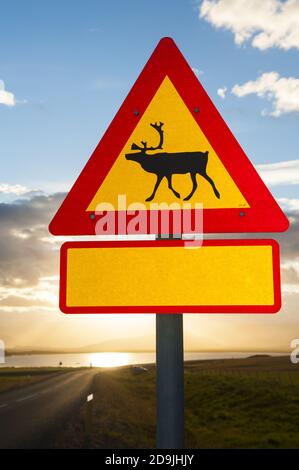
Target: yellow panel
<point>181,134</point>
<point>210,275</point>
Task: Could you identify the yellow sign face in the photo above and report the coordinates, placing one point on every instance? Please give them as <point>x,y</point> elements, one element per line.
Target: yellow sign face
<point>222,275</point>
<point>184,147</point>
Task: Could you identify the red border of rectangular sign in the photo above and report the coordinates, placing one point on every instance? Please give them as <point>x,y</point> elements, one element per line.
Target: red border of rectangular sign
<point>170,309</point>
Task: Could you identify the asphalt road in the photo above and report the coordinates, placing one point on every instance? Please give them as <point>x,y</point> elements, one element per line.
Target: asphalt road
<point>30,415</point>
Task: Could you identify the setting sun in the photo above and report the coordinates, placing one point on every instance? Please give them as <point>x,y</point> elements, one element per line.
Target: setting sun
<point>109,359</point>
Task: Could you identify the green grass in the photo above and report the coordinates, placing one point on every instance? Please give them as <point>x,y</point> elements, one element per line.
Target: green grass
<point>241,411</point>
<point>12,378</point>
<point>249,407</point>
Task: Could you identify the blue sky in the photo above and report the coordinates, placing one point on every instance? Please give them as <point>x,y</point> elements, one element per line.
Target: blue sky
<point>70,64</point>
<point>65,68</point>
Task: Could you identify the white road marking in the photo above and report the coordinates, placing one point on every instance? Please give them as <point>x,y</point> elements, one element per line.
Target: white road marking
<point>4,405</point>
<point>27,397</point>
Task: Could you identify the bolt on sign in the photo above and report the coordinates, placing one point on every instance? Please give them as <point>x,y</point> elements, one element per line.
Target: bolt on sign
<point>168,164</point>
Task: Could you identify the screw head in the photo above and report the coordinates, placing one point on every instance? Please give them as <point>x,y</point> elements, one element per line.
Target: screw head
<point>196,109</point>
<point>242,214</point>
<point>136,112</point>
<point>92,216</point>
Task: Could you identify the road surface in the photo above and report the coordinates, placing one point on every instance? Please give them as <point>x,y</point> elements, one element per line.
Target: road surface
<point>30,415</point>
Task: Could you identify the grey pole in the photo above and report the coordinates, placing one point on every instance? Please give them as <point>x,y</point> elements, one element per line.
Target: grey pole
<point>170,381</point>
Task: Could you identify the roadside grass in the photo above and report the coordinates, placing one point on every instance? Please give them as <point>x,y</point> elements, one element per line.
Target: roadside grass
<point>17,377</point>
<point>241,410</point>
<point>237,407</point>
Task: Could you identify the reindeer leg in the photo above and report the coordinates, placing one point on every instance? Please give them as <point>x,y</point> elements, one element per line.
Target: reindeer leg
<point>159,179</point>
<point>171,188</point>
<point>193,178</point>
<point>205,176</point>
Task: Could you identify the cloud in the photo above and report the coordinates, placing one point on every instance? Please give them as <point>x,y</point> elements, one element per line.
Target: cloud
<point>24,257</point>
<point>197,71</point>
<point>283,92</point>
<point>29,267</point>
<point>266,24</point>
<point>222,92</point>
<point>289,241</point>
<point>16,189</point>
<point>280,173</point>
<point>289,205</point>
<point>44,294</point>
<point>6,97</point>
<point>290,275</point>
<point>29,256</point>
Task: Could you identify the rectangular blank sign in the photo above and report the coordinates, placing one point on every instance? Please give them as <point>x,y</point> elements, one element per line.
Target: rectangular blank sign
<point>220,276</point>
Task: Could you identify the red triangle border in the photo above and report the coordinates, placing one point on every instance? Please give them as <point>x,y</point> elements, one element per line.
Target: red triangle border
<point>264,214</point>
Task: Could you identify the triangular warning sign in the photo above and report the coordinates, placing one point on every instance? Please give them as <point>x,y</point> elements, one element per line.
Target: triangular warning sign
<point>168,147</point>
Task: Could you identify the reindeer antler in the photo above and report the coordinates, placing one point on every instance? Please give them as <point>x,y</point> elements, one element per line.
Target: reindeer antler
<point>144,148</point>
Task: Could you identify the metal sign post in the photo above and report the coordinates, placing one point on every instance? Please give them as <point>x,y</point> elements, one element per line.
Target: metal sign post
<point>170,381</point>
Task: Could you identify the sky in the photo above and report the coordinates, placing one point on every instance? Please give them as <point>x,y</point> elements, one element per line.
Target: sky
<point>65,68</point>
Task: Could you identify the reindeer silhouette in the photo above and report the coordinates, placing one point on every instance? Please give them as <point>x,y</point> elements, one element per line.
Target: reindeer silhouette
<point>164,165</point>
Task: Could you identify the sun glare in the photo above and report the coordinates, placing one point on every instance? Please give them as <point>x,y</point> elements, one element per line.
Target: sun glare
<point>109,359</point>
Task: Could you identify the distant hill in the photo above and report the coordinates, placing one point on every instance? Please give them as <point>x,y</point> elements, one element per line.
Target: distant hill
<point>137,344</point>
<point>194,343</point>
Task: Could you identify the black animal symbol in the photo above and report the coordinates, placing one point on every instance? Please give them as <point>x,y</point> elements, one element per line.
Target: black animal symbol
<point>164,164</point>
